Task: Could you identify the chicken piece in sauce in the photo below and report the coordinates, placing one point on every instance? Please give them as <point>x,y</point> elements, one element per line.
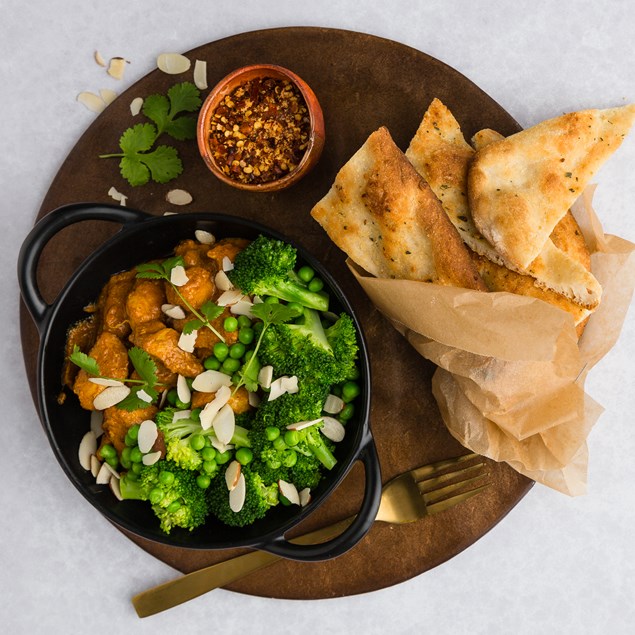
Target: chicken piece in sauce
<point>198,290</point>
<point>111,305</point>
<point>112,358</point>
<point>117,422</point>
<point>144,302</point>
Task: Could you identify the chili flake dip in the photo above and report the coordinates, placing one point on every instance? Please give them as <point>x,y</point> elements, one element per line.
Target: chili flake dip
<point>260,131</point>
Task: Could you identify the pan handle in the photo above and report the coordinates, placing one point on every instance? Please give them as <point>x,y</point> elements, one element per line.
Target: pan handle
<point>354,532</point>
<point>44,230</point>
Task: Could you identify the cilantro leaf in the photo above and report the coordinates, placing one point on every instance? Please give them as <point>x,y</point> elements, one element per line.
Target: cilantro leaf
<point>134,171</point>
<point>157,108</point>
<point>272,313</point>
<point>85,362</point>
<point>164,163</point>
<point>159,270</point>
<point>139,138</point>
<point>249,374</point>
<point>211,311</point>
<point>133,401</point>
<point>144,365</point>
<point>182,128</point>
<point>192,325</point>
<point>184,97</point>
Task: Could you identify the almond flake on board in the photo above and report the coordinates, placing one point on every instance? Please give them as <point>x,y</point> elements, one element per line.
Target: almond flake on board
<point>178,197</point>
<point>99,59</point>
<point>93,102</point>
<point>135,106</point>
<point>107,95</point>
<point>173,63</point>
<point>200,74</point>
<point>117,196</point>
<point>117,67</point>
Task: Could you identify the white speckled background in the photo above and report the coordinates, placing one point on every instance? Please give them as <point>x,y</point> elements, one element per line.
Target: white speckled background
<point>553,565</point>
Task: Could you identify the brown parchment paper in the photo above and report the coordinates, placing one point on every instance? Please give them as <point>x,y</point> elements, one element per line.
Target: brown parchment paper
<point>511,371</point>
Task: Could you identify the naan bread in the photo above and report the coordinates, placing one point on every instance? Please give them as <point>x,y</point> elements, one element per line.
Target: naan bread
<point>520,187</point>
<point>384,216</point>
<point>441,154</point>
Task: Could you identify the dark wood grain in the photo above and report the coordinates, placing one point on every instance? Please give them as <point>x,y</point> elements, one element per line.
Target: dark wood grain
<point>362,82</point>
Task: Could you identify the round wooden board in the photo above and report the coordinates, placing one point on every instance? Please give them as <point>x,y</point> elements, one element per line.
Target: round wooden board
<point>362,82</point>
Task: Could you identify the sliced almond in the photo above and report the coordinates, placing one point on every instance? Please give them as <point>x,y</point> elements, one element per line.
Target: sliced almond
<point>178,276</point>
<point>200,74</point>
<point>333,404</point>
<point>96,421</point>
<point>117,196</point>
<point>87,448</point>
<point>112,470</point>
<point>178,197</point>
<point>253,398</point>
<point>181,414</point>
<point>281,386</point>
<point>136,105</point>
<point>305,496</point>
<point>332,429</point>
<point>151,459</point>
<point>99,59</point>
<point>110,396</point>
<point>93,102</point>
<point>227,298</point>
<point>144,396</point>
<point>289,491</point>
<point>237,495</point>
<point>224,424</point>
<point>117,67</point>
<point>107,95</point>
<point>174,311</point>
<point>95,465</point>
<point>103,381</point>
<point>187,341</point>
<point>227,264</point>
<point>290,384</point>
<point>211,409</point>
<point>265,375</point>
<point>183,391</point>
<point>204,237</point>
<point>173,63</point>
<point>222,282</point>
<point>104,475</point>
<point>147,435</point>
<point>211,381</point>
<point>221,447</point>
<point>116,490</point>
<point>232,474</point>
<point>242,307</point>
<point>300,425</point>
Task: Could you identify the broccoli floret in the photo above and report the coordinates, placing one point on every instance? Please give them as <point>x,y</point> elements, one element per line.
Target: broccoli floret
<point>265,268</point>
<point>305,349</point>
<point>259,498</point>
<point>178,437</point>
<point>173,492</point>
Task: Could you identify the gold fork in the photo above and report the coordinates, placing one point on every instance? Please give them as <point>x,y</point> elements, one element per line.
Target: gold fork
<point>421,492</point>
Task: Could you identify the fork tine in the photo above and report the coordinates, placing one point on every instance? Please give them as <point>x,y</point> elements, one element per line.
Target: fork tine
<point>427,470</point>
<point>429,484</point>
<point>441,493</point>
<point>435,508</point>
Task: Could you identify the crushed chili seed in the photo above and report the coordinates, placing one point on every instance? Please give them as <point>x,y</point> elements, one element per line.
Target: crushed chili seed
<point>260,131</point>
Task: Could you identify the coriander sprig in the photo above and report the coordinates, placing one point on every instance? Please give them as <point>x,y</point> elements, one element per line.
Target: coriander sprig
<point>142,363</point>
<point>207,312</point>
<point>139,161</point>
<point>273,313</point>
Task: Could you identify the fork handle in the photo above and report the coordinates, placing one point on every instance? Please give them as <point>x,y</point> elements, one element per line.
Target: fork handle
<point>192,585</point>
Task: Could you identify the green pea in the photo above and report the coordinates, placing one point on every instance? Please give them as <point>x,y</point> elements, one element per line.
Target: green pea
<point>172,396</point>
<point>223,457</point>
<point>354,374</point>
<point>210,467</point>
<point>243,321</point>
<point>156,495</point>
<point>306,273</point>
<point>203,481</point>
<point>108,451</point>
<point>237,350</point>
<point>244,456</point>
<point>269,299</point>
<point>221,350</point>
<point>208,453</point>
<point>125,463</point>
<point>197,442</point>
<point>129,441</point>
<point>174,507</point>
<point>136,467</point>
<point>279,444</point>
<point>136,455</point>
<point>296,307</point>
<point>290,458</point>
<point>166,477</point>
<point>317,284</point>
<point>347,412</point>
<point>131,476</point>
<point>211,363</point>
<point>113,461</point>
<point>230,365</point>
<point>133,432</point>
<point>195,415</point>
<point>230,324</point>
<point>350,390</point>
<point>246,335</point>
<point>181,405</point>
<point>291,437</point>
<point>271,432</point>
